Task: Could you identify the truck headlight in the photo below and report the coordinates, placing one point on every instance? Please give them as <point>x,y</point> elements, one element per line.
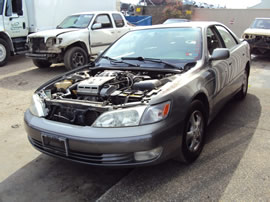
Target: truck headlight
<point>37,106</point>
<point>120,118</point>
<point>156,113</point>
<point>50,42</point>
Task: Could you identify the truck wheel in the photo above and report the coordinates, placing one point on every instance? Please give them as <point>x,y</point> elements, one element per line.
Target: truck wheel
<point>75,57</point>
<point>4,52</point>
<point>42,63</point>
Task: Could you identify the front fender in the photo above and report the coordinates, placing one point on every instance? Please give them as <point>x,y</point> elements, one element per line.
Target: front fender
<point>69,39</point>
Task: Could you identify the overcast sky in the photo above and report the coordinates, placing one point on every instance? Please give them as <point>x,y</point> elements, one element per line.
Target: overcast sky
<point>228,3</point>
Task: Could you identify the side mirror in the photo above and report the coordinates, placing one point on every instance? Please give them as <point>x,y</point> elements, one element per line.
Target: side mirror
<point>220,54</point>
<point>97,26</point>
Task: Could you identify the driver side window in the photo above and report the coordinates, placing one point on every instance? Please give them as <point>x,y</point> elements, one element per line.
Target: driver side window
<point>14,7</point>
<point>213,41</point>
<point>104,20</point>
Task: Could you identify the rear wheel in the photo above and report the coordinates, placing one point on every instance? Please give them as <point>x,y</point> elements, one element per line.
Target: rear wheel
<point>42,63</point>
<point>243,92</point>
<point>194,130</point>
<point>4,52</point>
<point>75,57</point>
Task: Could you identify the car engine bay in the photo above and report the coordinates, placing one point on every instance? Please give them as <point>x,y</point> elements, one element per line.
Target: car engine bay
<point>80,98</point>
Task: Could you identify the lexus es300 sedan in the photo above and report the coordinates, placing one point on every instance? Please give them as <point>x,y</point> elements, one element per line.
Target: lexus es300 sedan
<point>147,98</point>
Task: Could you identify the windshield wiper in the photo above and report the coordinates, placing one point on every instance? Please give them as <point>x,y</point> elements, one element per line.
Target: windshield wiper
<point>152,60</point>
<point>114,61</point>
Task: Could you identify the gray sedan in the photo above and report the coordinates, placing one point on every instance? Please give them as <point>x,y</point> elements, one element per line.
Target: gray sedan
<point>147,98</point>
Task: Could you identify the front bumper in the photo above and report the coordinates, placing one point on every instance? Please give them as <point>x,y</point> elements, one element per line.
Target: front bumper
<point>103,146</point>
<point>262,43</point>
<point>41,56</point>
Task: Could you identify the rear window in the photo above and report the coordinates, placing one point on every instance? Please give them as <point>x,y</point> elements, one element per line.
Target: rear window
<point>118,20</point>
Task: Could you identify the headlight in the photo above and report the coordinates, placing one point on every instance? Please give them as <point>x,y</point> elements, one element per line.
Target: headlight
<point>50,42</point>
<point>120,118</point>
<point>156,113</point>
<point>37,107</point>
<point>133,116</point>
<point>60,40</point>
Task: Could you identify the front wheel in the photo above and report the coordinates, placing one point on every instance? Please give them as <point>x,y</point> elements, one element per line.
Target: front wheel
<point>42,63</point>
<point>4,52</point>
<point>243,92</point>
<point>75,57</point>
<point>194,130</point>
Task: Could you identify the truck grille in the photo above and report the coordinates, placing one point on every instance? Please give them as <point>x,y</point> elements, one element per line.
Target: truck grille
<point>37,44</point>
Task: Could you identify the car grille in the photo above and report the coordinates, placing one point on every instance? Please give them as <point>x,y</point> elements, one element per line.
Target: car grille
<point>37,44</point>
<point>88,158</point>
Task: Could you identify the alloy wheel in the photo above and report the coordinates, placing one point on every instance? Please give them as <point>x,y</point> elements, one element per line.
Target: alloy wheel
<point>194,136</point>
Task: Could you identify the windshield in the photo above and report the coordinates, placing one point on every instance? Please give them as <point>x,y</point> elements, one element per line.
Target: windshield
<point>1,6</point>
<point>76,21</point>
<point>261,24</point>
<point>174,45</point>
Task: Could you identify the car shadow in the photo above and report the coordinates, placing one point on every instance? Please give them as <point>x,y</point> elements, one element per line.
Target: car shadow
<point>228,137</point>
<point>50,179</point>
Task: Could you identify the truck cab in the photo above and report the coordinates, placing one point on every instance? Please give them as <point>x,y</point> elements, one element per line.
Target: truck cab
<point>13,28</point>
<point>19,18</point>
<point>79,37</point>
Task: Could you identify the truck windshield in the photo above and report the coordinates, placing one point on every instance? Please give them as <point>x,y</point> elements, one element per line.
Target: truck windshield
<point>175,45</point>
<point>76,21</point>
<point>261,24</point>
<point>1,6</point>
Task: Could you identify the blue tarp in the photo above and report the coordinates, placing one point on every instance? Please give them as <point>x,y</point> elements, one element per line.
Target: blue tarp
<point>140,20</point>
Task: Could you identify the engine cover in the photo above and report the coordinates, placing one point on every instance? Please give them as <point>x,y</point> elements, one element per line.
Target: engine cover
<point>93,85</point>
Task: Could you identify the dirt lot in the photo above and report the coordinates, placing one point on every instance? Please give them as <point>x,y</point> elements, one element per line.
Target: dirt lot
<point>234,165</point>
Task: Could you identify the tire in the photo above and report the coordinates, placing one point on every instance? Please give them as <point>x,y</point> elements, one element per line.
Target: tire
<point>4,52</point>
<point>243,92</point>
<point>194,133</point>
<point>75,57</point>
<point>42,63</point>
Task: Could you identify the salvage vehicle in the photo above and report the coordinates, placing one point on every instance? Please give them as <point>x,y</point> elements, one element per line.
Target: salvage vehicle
<point>19,18</point>
<point>258,36</point>
<point>76,39</point>
<point>147,98</point>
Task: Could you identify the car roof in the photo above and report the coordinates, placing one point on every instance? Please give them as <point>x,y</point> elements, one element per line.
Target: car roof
<point>96,12</point>
<point>200,24</point>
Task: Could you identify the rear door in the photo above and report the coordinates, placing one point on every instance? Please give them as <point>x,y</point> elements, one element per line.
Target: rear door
<point>120,26</point>
<point>236,61</point>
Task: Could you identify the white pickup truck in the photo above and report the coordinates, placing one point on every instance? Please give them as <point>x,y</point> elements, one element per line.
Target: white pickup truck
<point>76,39</point>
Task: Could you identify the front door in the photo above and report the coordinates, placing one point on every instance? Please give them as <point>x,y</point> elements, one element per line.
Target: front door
<point>15,22</point>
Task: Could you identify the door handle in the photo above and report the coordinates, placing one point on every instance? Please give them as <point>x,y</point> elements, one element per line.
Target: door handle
<point>23,25</point>
<point>230,63</point>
